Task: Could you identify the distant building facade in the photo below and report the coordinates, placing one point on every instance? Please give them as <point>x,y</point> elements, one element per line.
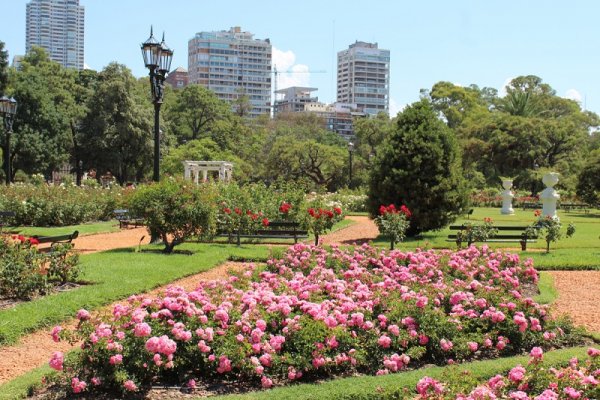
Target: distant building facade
<point>58,27</point>
<point>294,98</point>
<point>363,77</point>
<point>178,78</point>
<point>233,64</point>
<point>337,117</point>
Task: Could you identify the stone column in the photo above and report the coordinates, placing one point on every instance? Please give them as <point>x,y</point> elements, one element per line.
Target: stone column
<point>507,197</point>
<point>204,175</point>
<point>196,174</point>
<point>549,196</point>
<point>186,171</point>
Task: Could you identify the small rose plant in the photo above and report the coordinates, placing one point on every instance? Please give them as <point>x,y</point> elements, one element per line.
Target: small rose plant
<point>393,222</point>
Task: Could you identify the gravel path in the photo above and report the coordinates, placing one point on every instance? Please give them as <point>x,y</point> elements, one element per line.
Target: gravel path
<point>578,297</point>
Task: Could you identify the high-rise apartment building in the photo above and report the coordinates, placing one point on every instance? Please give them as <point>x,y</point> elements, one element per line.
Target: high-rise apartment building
<point>232,64</point>
<point>363,77</point>
<point>58,27</point>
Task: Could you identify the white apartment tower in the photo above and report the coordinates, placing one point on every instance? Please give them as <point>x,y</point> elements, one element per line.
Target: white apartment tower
<point>232,64</point>
<point>58,27</point>
<point>363,77</point>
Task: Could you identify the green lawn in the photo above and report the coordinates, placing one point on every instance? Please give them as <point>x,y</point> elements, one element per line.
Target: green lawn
<point>84,229</point>
<point>116,275</point>
<point>582,251</point>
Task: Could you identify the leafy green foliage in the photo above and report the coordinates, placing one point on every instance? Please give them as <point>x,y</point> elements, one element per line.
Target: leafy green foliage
<point>3,68</point>
<point>116,135</point>
<point>58,205</point>
<point>419,165</point>
<point>588,185</point>
<point>175,210</point>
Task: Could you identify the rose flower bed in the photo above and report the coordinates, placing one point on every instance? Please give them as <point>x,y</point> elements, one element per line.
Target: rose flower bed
<point>316,313</point>
<point>578,380</point>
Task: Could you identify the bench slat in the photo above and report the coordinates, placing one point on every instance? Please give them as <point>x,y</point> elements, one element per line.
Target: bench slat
<point>58,238</point>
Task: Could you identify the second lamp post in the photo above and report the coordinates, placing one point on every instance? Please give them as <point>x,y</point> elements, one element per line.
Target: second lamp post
<point>350,152</point>
<point>157,58</point>
<point>8,109</point>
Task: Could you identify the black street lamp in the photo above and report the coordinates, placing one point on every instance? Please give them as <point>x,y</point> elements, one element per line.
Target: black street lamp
<point>8,109</point>
<point>157,58</point>
<point>350,152</point>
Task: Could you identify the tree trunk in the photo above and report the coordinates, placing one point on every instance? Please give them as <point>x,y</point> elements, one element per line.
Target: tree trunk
<point>316,239</point>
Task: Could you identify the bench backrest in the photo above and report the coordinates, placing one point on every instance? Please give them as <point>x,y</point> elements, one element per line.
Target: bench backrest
<point>500,228</point>
<point>58,238</point>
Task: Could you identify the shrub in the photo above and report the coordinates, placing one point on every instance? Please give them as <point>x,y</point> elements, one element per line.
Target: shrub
<point>550,228</point>
<point>321,219</point>
<point>393,222</point>
<point>476,233</point>
<point>21,269</point>
<point>175,210</point>
<point>46,205</point>
<point>578,380</point>
<point>316,313</point>
<point>24,271</point>
<point>419,165</point>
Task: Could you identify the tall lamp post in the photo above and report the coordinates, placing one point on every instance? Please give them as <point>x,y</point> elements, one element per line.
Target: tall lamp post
<point>8,109</point>
<point>157,58</point>
<point>350,152</point>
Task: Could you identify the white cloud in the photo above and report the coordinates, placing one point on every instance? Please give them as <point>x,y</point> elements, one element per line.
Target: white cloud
<point>85,66</point>
<point>395,107</point>
<point>288,72</point>
<point>573,94</point>
<point>502,91</point>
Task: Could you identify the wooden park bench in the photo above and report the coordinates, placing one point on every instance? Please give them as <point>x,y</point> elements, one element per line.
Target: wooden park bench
<point>528,205</point>
<point>54,240</point>
<point>575,206</point>
<point>126,220</point>
<point>275,230</point>
<point>514,234</point>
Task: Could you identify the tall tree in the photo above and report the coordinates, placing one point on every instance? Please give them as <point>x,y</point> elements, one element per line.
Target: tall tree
<point>420,165</point>
<point>195,111</point>
<point>116,133</point>
<point>44,90</point>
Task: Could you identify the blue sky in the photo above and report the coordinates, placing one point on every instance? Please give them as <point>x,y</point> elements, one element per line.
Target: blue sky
<point>484,42</point>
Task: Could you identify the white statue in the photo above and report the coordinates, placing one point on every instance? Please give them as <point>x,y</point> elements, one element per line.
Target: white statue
<point>507,197</point>
<point>549,196</point>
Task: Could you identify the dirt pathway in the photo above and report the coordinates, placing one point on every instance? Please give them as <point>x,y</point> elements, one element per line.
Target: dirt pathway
<point>108,241</point>
<point>578,297</point>
<point>362,231</point>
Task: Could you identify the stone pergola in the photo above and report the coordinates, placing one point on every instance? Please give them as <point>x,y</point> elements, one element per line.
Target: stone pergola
<point>192,170</point>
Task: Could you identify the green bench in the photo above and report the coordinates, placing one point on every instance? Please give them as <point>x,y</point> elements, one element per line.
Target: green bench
<point>125,219</point>
<point>275,230</point>
<point>510,234</point>
<point>53,240</point>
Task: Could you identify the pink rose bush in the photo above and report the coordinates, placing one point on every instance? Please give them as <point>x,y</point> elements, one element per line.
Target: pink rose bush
<point>316,313</point>
<point>579,380</point>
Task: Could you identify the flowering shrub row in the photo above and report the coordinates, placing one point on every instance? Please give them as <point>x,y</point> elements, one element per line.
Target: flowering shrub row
<point>579,380</point>
<point>24,271</point>
<point>58,205</point>
<point>316,313</point>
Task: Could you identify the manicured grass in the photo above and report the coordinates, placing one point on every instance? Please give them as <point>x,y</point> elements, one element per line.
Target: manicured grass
<point>84,229</point>
<point>548,292</point>
<point>116,275</point>
<point>376,387</point>
<point>582,251</point>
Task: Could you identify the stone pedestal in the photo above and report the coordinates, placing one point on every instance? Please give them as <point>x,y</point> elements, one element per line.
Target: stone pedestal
<point>549,196</point>
<point>507,197</point>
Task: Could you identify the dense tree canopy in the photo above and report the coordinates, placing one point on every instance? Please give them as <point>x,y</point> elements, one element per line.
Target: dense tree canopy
<point>419,165</point>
